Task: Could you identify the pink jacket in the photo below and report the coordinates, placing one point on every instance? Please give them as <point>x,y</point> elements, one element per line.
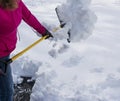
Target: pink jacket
<point>9,21</point>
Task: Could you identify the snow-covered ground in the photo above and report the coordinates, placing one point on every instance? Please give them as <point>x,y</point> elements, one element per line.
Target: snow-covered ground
<point>87,70</point>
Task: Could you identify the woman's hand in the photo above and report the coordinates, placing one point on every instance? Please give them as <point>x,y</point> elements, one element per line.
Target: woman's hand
<point>48,34</point>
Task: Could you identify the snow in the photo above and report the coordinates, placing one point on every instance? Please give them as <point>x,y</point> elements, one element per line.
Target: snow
<point>85,70</point>
<point>80,17</point>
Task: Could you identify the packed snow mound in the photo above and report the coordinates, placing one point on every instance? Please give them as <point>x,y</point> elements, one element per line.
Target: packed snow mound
<point>78,17</point>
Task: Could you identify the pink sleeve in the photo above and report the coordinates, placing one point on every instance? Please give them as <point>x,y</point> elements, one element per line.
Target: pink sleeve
<point>31,20</point>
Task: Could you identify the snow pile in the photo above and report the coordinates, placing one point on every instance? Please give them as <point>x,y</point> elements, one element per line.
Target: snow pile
<point>78,17</point>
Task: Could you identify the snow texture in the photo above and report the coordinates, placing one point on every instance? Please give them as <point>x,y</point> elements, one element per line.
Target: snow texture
<point>83,70</point>
<point>78,16</point>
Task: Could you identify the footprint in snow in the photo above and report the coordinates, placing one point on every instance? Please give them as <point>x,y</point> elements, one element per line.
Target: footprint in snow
<point>72,61</point>
<point>61,49</point>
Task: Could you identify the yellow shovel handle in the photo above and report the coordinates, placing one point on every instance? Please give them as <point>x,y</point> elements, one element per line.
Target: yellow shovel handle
<point>28,48</point>
<point>32,45</point>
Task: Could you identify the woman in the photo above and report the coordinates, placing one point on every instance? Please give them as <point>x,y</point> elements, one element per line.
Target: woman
<point>11,14</point>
